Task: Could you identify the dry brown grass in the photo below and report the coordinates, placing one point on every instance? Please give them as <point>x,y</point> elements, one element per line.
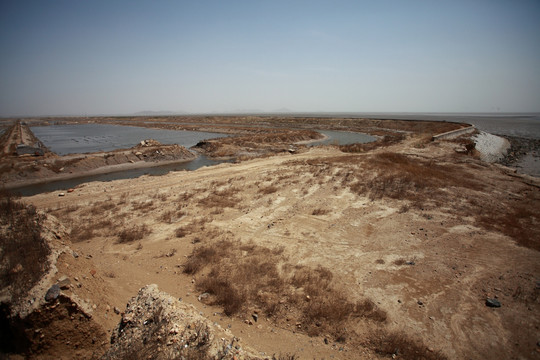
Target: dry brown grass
<point>98,208</point>
<point>134,233</point>
<point>221,199</point>
<point>519,220</point>
<point>171,216</point>
<point>417,183</point>
<point>143,206</point>
<point>386,140</point>
<point>196,226</point>
<point>403,177</point>
<point>82,233</point>
<point>400,346</point>
<point>23,255</point>
<point>267,190</point>
<point>242,276</point>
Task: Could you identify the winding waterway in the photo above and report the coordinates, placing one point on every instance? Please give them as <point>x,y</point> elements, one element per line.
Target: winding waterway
<point>86,138</point>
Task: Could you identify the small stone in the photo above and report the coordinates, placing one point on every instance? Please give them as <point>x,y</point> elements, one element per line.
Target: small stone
<point>17,269</point>
<point>203,297</point>
<point>52,293</point>
<point>419,302</point>
<point>255,317</point>
<point>64,283</point>
<point>93,272</point>
<point>62,194</point>
<point>493,303</point>
<point>75,254</point>
<point>326,341</point>
<point>116,310</point>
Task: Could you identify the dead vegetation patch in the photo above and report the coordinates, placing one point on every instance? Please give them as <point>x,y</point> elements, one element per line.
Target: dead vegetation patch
<point>397,345</point>
<point>134,233</point>
<point>240,277</point>
<point>267,190</point>
<point>221,199</point>
<point>143,206</point>
<point>384,141</point>
<point>520,221</point>
<point>399,176</point>
<point>102,206</point>
<point>318,212</point>
<point>424,184</point>
<point>23,255</point>
<point>171,216</point>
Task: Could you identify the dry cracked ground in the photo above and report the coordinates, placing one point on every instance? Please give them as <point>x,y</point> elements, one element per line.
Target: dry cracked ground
<point>391,252</point>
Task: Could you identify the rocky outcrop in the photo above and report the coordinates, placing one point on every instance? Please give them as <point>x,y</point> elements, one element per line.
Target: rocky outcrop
<point>37,317</point>
<point>492,148</point>
<point>155,325</point>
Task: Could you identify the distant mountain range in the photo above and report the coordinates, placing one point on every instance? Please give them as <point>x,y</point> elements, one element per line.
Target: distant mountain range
<point>159,113</point>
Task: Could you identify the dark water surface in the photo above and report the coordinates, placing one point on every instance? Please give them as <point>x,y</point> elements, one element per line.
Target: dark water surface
<point>525,125</point>
<point>126,174</point>
<point>86,138</point>
<point>68,139</point>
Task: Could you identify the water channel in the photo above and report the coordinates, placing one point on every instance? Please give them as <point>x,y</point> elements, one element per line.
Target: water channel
<point>69,139</point>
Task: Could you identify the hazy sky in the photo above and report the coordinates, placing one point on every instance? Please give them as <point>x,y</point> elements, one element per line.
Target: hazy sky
<point>113,57</point>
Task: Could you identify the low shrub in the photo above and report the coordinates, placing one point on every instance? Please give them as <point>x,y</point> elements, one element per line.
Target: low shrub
<point>133,234</point>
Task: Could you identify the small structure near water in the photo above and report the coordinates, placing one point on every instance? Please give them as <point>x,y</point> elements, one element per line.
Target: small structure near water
<point>23,149</point>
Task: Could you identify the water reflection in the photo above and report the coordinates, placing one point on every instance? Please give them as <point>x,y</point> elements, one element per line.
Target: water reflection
<point>125,174</point>
<point>65,139</point>
<point>86,138</point>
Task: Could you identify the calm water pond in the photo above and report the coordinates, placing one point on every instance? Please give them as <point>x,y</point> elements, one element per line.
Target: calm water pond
<point>68,139</point>
<point>126,174</point>
<point>344,138</point>
<point>86,138</point>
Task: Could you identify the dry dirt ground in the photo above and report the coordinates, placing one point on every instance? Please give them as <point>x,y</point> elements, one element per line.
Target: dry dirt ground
<point>421,234</point>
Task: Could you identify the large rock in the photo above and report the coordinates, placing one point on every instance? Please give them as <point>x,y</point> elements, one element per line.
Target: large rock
<point>155,325</point>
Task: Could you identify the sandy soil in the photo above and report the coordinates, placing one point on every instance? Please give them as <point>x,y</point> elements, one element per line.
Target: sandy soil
<point>427,258</point>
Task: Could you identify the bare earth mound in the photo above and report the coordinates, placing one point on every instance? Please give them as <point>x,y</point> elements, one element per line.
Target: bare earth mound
<point>414,249</point>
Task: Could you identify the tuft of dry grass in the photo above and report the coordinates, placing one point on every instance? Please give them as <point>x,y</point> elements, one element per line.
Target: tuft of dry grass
<point>267,190</point>
<point>320,212</point>
<point>171,216</point>
<point>221,199</point>
<point>398,345</point>
<point>81,233</point>
<point>194,227</point>
<point>133,234</point>
<point>100,207</point>
<point>144,206</point>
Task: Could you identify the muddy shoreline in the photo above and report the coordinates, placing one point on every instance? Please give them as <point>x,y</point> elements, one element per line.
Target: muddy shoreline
<point>14,185</point>
<point>523,155</point>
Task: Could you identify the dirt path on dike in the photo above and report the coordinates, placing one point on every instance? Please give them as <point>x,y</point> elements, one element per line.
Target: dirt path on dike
<point>405,227</point>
